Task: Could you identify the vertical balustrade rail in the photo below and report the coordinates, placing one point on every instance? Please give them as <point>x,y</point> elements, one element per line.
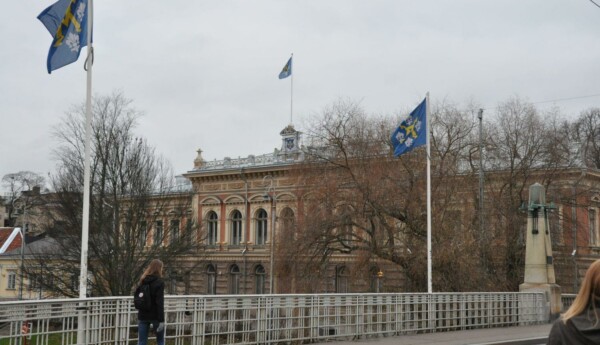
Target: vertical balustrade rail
<point>269,319</point>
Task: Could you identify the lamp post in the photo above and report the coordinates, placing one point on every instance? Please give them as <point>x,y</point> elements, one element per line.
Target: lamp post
<point>40,280</point>
<point>22,233</point>
<point>379,277</point>
<point>480,116</point>
<point>271,234</point>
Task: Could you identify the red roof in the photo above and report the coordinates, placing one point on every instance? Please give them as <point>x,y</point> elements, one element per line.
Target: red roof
<point>5,234</point>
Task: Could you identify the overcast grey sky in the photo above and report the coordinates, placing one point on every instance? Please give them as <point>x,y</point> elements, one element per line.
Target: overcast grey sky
<point>205,72</point>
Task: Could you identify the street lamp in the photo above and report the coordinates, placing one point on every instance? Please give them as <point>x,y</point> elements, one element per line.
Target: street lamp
<point>379,277</point>
<point>273,219</point>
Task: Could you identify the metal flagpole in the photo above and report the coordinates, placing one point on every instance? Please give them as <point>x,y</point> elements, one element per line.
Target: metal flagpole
<point>481,233</point>
<point>86,176</point>
<point>427,113</point>
<point>292,91</point>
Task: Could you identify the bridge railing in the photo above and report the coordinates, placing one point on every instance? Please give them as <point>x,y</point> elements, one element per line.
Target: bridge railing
<point>567,299</point>
<point>268,319</point>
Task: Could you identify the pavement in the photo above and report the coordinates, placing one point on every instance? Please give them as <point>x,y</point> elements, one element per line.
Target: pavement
<point>486,336</point>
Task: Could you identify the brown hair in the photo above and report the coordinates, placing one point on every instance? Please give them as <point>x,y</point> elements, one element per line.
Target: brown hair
<point>590,290</point>
<point>154,269</point>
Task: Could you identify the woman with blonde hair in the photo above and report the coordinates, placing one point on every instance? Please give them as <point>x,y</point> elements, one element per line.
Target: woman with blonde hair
<point>153,312</point>
<point>580,324</point>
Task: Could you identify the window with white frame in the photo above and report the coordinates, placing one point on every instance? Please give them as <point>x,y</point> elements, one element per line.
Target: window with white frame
<point>236,228</point>
<point>213,227</point>
<point>11,282</point>
<point>261,227</point>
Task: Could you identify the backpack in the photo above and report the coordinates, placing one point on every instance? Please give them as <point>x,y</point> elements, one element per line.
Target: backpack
<point>142,299</point>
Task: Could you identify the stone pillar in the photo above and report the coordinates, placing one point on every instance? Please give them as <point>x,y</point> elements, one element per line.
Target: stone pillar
<point>539,266</point>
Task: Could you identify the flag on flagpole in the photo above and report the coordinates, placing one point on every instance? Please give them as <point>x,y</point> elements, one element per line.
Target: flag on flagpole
<point>66,20</point>
<point>287,70</point>
<point>412,132</point>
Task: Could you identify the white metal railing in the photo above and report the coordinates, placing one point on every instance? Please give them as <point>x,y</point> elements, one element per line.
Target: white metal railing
<point>268,319</point>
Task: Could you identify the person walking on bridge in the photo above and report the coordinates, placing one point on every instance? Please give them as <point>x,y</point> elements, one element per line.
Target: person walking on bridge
<point>580,324</point>
<point>149,299</point>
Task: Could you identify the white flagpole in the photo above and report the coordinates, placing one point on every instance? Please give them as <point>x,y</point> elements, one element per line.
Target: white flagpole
<point>427,113</point>
<point>292,91</point>
<point>85,223</point>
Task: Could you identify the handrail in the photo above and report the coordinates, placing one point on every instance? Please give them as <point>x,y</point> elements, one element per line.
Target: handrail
<point>272,319</point>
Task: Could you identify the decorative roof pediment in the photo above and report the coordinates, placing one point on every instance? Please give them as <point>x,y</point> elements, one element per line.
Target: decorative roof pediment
<point>234,199</point>
<point>211,200</point>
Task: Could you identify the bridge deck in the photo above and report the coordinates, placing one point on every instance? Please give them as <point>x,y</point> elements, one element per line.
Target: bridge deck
<point>503,335</point>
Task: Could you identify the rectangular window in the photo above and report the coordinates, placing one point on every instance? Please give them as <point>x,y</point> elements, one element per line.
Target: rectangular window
<point>174,230</point>
<point>12,280</point>
<point>158,232</point>
<point>188,231</point>
<point>593,234</point>
<point>143,233</point>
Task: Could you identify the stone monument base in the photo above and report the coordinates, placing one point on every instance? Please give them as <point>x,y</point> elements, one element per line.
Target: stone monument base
<point>552,293</point>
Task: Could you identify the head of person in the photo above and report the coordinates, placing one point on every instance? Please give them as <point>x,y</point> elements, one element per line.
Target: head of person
<point>589,293</point>
<point>155,268</point>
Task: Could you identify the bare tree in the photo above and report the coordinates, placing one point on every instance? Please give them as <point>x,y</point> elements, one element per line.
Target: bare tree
<point>523,147</point>
<point>365,203</point>
<point>587,134</point>
<point>136,213</point>
<point>20,187</point>
<point>362,203</point>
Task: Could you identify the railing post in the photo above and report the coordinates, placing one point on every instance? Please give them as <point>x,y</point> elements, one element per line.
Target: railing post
<point>359,313</point>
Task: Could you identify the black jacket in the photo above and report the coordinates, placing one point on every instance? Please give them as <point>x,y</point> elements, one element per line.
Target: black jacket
<point>157,291</point>
<point>582,329</point>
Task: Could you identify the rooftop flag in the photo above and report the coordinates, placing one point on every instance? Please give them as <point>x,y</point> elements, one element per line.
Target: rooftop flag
<point>66,20</point>
<point>287,70</point>
<point>412,132</point>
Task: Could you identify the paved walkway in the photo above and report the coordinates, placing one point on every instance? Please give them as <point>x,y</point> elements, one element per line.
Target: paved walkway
<point>475,336</point>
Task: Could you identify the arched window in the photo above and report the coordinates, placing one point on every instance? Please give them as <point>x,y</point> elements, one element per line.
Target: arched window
<point>261,227</point>
<point>259,274</point>
<point>211,280</point>
<point>213,227</point>
<point>341,279</point>
<point>236,228</point>
<point>375,279</point>
<point>234,279</point>
<point>287,227</point>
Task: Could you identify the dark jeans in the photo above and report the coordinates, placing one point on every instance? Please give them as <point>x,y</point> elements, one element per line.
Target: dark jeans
<point>144,329</point>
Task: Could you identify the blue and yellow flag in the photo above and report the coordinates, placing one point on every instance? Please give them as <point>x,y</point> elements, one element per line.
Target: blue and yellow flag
<point>66,20</point>
<point>287,70</point>
<point>412,132</point>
